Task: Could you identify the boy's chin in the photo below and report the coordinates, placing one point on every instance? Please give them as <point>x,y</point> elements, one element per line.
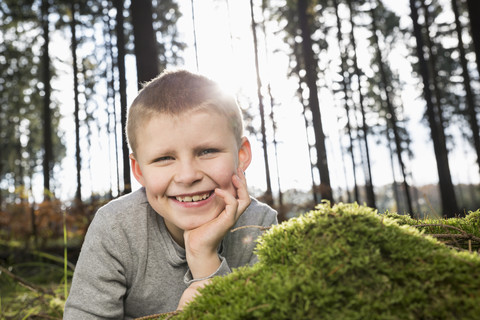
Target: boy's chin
<point>200,221</point>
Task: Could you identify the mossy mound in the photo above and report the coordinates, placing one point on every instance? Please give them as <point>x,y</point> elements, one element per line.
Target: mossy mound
<point>345,262</point>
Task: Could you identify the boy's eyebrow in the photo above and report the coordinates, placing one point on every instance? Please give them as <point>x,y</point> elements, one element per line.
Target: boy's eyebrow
<point>209,145</point>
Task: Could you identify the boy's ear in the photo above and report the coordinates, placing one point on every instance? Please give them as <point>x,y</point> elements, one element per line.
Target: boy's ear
<point>244,154</point>
<point>136,170</point>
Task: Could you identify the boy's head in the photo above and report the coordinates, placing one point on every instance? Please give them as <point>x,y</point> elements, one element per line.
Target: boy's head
<point>177,93</point>
<point>186,137</point>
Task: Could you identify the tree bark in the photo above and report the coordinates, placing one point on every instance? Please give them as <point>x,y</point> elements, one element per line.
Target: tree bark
<point>347,94</point>
<point>474,15</point>
<point>391,110</point>
<point>368,180</point>
<point>73,23</point>
<point>268,192</point>
<point>119,28</point>
<point>46,117</point>
<point>144,40</point>
<point>111,92</point>
<point>272,118</point>
<point>469,98</point>
<point>311,77</point>
<point>447,192</point>
<point>301,80</point>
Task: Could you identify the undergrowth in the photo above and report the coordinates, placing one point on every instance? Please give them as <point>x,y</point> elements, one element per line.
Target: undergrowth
<point>33,289</point>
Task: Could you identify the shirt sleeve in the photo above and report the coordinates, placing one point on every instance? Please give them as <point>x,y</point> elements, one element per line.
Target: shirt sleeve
<point>259,215</point>
<point>99,282</point>
<point>222,270</point>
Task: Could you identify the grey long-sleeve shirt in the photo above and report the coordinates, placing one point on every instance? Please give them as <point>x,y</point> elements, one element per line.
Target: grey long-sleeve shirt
<point>130,266</point>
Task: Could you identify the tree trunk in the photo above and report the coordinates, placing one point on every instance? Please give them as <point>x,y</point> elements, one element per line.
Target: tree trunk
<point>73,23</point>
<point>46,117</point>
<point>447,192</point>
<point>368,171</point>
<point>432,63</point>
<point>347,93</point>
<point>391,110</point>
<point>194,26</point>
<point>470,100</point>
<point>119,28</point>
<point>272,117</point>
<point>301,80</point>
<point>144,40</point>
<point>396,194</point>
<point>108,33</point>
<point>311,77</point>
<point>474,15</point>
<point>268,192</point>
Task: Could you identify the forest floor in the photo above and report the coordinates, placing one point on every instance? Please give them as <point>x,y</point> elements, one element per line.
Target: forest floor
<point>33,285</point>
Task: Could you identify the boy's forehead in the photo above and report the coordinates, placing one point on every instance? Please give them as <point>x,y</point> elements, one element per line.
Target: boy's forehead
<point>185,115</point>
<point>199,126</point>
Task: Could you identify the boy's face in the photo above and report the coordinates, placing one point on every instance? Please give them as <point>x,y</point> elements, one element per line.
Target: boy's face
<point>181,160</point>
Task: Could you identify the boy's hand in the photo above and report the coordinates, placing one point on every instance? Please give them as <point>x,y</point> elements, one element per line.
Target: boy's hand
<point>201,243</point>
<point>190,293</point>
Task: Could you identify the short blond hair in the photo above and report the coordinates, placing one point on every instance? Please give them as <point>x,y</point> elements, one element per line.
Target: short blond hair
<point>175,92</point>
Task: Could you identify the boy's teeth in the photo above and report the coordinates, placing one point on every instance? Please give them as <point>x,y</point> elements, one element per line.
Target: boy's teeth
<point>193,198</point>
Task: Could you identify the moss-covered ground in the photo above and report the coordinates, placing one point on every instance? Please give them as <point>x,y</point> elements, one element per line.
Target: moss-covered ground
<point>349,262</point>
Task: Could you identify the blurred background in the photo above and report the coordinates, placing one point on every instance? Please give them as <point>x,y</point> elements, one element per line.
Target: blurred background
<point>369,101</point>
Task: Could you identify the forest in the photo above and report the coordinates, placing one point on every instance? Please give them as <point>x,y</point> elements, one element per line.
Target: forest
<point>354,93</point>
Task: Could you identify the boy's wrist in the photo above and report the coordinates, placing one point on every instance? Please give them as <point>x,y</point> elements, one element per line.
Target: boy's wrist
<point>203,267</point>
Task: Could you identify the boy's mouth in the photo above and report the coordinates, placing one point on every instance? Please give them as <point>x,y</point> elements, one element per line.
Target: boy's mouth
<point>194,198</point>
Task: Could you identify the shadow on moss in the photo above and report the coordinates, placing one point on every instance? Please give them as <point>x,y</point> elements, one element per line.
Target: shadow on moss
<point>348,262</point>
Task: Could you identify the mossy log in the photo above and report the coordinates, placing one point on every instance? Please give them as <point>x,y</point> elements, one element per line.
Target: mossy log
<point>349,262</point>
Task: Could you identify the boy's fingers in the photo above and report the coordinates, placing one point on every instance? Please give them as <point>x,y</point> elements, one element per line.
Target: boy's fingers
<point>231,204</point>
<point>240,183</point>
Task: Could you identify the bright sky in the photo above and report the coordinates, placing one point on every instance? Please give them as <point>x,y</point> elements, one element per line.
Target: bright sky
<point>230,61</point>
<point>217,60</point>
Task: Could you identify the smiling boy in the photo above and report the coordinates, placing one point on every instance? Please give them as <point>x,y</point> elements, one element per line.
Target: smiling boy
<point>150,251</point>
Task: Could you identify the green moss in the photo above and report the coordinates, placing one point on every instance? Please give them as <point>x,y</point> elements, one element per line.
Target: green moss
<point>462,233</point>
<point>347,262</point>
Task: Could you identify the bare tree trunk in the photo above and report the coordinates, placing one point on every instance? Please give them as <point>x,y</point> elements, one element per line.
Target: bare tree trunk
<point>396,194</point>
<point>107,20</point>
<point>311,77</point>
<point>73,23</point>
<point>447,193</point>
<point>316,199</point>
<point>391,110</point>
<point>470,101</point>
<point>119,28</point>
<point>368,171</point>
<point>272,117</point>
<point>432,63</point>
<point>474,14</point>
<point>145,41</point>
<point>46,117</point>
<point>268,192</point>
<point>347,93</point>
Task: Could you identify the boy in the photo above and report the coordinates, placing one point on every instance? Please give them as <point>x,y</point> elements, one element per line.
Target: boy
<point>150,251</point>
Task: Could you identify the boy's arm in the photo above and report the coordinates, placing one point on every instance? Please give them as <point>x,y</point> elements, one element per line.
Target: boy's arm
<point>99,282</point>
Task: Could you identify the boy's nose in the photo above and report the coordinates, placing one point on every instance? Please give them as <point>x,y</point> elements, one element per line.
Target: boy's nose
<point>187,173</point>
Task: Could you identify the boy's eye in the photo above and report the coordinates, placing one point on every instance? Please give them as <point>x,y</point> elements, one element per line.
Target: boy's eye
<point>163,159</point>
<point>208,151</point>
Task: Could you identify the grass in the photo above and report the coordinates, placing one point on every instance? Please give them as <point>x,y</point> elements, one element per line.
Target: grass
<point>33,289</point>
<point>36,283</point>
